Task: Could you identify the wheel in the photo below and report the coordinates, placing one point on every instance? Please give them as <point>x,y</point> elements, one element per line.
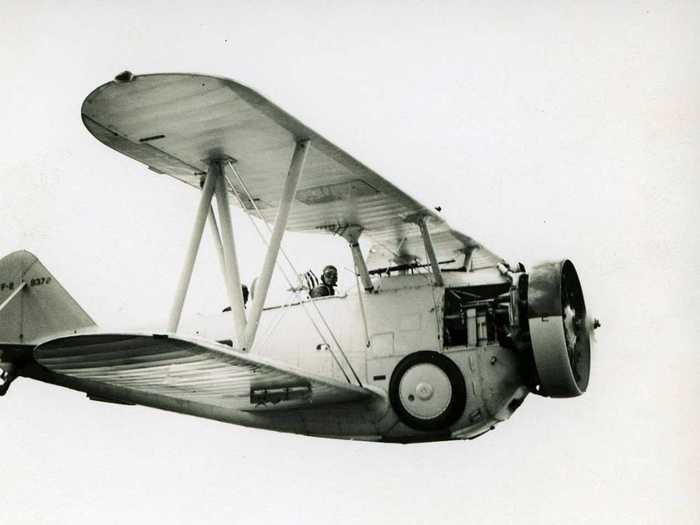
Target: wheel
<point>427,391</point>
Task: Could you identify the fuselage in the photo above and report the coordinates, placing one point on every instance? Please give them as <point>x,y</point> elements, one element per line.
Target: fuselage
<point>405,314</point>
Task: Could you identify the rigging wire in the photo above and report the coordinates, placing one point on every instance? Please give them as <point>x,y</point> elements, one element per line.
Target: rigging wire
<point>291,265</point>
<point>273,326</point>
<point>286,277</point>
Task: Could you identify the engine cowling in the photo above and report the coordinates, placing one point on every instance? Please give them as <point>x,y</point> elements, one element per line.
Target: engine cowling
<point>559,332</point>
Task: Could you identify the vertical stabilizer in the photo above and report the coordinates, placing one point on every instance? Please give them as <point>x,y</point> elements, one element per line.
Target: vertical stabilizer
<point>33,304</point>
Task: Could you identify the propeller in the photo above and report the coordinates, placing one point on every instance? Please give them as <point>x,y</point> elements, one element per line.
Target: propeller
<point>561,351</point>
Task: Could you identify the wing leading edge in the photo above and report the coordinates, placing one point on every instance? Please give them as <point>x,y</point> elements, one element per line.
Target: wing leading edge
<point>176,123</point>
<point>190,370</point>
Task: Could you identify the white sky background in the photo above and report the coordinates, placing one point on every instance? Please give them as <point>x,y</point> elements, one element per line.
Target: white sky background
<point>569,129</point>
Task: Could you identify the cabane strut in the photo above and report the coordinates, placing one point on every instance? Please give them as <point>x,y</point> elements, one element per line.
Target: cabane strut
<point>430,250</point>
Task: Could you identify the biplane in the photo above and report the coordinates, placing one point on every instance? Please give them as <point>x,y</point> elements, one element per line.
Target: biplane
<point>438,338</point>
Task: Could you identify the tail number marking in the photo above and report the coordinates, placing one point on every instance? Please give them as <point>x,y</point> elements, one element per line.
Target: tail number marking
<point>38,281</point>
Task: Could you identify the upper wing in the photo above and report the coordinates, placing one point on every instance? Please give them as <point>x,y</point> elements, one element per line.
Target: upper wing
<point>191,370</point>
<point>174,123</point>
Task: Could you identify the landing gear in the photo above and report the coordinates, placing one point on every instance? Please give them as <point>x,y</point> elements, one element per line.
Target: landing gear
<point>427,391</point>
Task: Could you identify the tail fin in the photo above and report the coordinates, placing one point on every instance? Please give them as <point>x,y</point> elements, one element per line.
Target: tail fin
<point>33,304</point>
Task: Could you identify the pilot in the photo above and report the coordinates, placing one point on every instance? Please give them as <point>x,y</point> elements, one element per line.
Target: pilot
<point>329,279</point>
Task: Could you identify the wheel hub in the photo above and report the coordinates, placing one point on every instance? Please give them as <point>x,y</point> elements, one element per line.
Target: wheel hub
<point>425,391</point>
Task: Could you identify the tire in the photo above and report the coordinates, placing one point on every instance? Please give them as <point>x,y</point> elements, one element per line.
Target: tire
<point>427,391</point>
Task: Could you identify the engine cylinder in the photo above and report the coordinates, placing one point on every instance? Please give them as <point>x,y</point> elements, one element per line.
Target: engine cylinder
<point>559,335</point>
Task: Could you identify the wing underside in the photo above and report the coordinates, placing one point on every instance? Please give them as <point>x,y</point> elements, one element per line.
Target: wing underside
<point>190,370</point>
<point>176,123</point>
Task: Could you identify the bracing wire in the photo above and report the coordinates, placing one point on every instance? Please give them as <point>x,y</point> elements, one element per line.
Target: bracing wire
<point>291,265</point>
<point>286,277</point>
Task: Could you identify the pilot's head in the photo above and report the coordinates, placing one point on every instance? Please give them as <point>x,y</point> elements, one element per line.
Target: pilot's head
<point>330,275</point>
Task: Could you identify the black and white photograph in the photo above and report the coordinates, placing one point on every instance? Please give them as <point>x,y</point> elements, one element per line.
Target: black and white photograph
<point>358,263</point>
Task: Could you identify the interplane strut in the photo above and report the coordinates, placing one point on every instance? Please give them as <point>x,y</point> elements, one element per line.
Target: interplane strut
<point>216,236</point>
<point>232,276</point>
<point>285,206</point>
<point>191,255</point>
<point>215,183</point>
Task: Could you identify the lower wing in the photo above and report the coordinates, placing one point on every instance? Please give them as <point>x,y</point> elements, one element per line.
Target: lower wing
<point>193,370</point>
